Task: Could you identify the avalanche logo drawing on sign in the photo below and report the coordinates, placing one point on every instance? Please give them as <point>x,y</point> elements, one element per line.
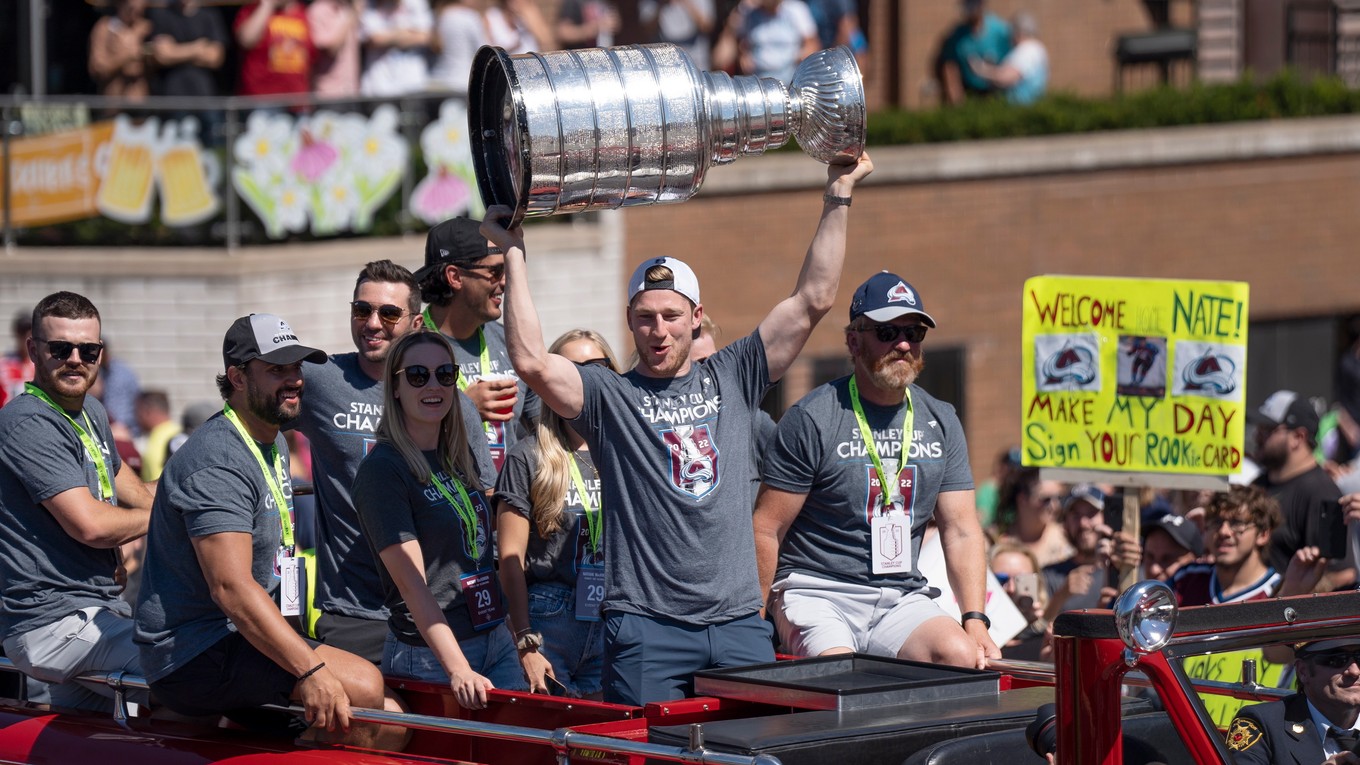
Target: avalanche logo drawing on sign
<point>1067,363</point>
<point>694,459</point>
<point>1208,369</point>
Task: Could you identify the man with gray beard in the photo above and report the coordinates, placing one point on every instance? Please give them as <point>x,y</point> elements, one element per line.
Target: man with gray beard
<point>837,551</point>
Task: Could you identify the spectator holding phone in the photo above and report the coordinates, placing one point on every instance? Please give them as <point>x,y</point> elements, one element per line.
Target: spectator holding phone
<point>1286,435</point>
<point>1017,570</point>
<point>1079,581</point>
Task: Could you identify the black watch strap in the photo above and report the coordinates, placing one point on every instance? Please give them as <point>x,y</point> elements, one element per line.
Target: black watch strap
<point>976,615</point>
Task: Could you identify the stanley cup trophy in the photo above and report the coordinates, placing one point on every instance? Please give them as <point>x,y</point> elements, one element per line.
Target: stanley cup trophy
<point>602,128</point>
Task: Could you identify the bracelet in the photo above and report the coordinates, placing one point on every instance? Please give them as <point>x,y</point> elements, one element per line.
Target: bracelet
<point>976,615</point>
<point>311,672</point>
<point>830,198</point>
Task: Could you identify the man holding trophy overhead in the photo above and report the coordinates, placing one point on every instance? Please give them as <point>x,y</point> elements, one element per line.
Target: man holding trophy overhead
<point>682,594</point>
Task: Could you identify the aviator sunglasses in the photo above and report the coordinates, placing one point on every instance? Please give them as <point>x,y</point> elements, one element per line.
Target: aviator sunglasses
<point>888,333</point>
<point>418,376</point>
<point>388,314</point>
<point>61,350</point>
<point>1336,659</point>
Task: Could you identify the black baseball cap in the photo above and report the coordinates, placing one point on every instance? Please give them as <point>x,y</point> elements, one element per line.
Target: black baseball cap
<point>1183,531</point>
<point>453,242</point>
<point>1285,407</point>
<point>268,338</point>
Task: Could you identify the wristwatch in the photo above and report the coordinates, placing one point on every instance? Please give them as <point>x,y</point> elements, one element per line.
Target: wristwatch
<point>976,615</point>
<point>528,640</point>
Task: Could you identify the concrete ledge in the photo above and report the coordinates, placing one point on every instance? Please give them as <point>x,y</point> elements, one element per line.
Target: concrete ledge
<point>1046,155</point>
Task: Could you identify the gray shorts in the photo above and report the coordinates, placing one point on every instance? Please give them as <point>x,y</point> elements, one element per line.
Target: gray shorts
<point>814,615</point>
<point>89,640</point>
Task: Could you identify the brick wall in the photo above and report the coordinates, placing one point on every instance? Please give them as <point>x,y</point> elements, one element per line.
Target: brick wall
<point>1269,203</point>
<point>968,241</point>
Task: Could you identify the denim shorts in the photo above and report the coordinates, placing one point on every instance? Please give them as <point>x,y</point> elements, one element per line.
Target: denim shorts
<point>491,654</point>
<point>574,648</point>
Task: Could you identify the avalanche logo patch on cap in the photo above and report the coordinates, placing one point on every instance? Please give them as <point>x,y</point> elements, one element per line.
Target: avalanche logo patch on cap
<point>901,293</point>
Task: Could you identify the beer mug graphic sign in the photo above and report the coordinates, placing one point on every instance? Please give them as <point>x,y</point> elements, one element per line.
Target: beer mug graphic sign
<point>602,128</point>
<point>127,170</point>
<point>187,175</point>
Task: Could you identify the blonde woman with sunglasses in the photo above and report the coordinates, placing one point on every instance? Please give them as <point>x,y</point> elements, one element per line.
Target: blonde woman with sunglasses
<point>428,519</point>
<point>550,535</point>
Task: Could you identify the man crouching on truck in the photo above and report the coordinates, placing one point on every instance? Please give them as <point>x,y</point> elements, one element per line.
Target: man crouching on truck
<point>213,641</point>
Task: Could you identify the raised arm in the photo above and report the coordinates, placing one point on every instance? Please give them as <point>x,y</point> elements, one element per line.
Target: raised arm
<point>555,379</point>
<point>790,323</point>
<point>252,30</point>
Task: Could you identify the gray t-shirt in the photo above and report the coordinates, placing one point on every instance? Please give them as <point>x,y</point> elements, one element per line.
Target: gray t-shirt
<point>500,436</point>
<point>45,574</point>
<point>819,451</point>
<point>394,507</point>
<point>212,485</point>
<point>677,460</point>
<point>555,559</point>
<point>340,413</point>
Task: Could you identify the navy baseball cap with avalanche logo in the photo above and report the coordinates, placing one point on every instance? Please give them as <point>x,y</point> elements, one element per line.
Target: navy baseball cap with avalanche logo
<point>885,297</point>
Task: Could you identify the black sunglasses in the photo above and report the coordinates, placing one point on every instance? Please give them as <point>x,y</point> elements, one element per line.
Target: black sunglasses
<point>418,376</point>
<point>1336,659</point>
<point>388,314</point>
<point>888,333</point>
<point>600,362</point>
<point>61,350</point>
<point>493,273</point>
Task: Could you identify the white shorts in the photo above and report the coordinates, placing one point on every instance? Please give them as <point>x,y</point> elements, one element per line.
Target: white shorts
<point>814,615</point>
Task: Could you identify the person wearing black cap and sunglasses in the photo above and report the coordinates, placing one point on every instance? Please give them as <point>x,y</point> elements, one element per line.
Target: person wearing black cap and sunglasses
<point>463,283</point>
<point>836,550</point>
<point>67,502</point>
<point>340,415</point>
<point>1286,434</point>
<point>221,549</point>
<point>1315,725</point>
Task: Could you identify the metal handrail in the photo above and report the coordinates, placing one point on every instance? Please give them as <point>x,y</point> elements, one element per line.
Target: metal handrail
<point>562,740</point>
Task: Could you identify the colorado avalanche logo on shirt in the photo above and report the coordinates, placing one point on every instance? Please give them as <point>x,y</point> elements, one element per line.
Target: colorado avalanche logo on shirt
<point>694,459</point>
<point>901,293</point>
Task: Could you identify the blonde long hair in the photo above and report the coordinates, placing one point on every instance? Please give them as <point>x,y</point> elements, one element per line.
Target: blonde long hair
<point>548,490</point>
<point>453,455</point>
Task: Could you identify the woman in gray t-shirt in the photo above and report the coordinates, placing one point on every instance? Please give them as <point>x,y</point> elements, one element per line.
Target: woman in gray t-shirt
<point>427,519</point>
<point>550,536</point>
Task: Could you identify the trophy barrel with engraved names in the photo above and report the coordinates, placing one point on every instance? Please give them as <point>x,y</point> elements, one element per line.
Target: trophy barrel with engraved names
<point>603,128</point>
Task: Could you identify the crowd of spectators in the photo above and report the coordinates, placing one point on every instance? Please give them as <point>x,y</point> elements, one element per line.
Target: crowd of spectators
<point>1289,525</point>
<point>388,48</point>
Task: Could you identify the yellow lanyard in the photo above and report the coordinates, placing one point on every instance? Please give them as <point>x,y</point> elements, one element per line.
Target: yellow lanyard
<point>483,361</point>
<point>592,513</point>
<point>86,438</point>
<point>465,512</point>
<point>274,481</point>
<point>885,494</point>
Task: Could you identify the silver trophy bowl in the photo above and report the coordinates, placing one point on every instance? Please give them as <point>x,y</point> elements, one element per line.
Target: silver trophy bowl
<point>603,128</point>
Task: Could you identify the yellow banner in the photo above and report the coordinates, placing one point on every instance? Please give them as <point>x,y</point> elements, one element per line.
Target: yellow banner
<point>1227,668</point>
<point>1134,375</point>
<point>53,176</point>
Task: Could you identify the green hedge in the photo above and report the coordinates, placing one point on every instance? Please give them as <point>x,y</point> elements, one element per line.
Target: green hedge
<point>1286,95</point>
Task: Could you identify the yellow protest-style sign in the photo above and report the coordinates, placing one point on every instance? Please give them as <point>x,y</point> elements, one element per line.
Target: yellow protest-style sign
<point>1227,667</point>
<point>1134,375</point>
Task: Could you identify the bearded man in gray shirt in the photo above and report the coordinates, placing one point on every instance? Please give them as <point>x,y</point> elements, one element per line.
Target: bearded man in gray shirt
<point>858,468</point>
<point>671,439</point>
